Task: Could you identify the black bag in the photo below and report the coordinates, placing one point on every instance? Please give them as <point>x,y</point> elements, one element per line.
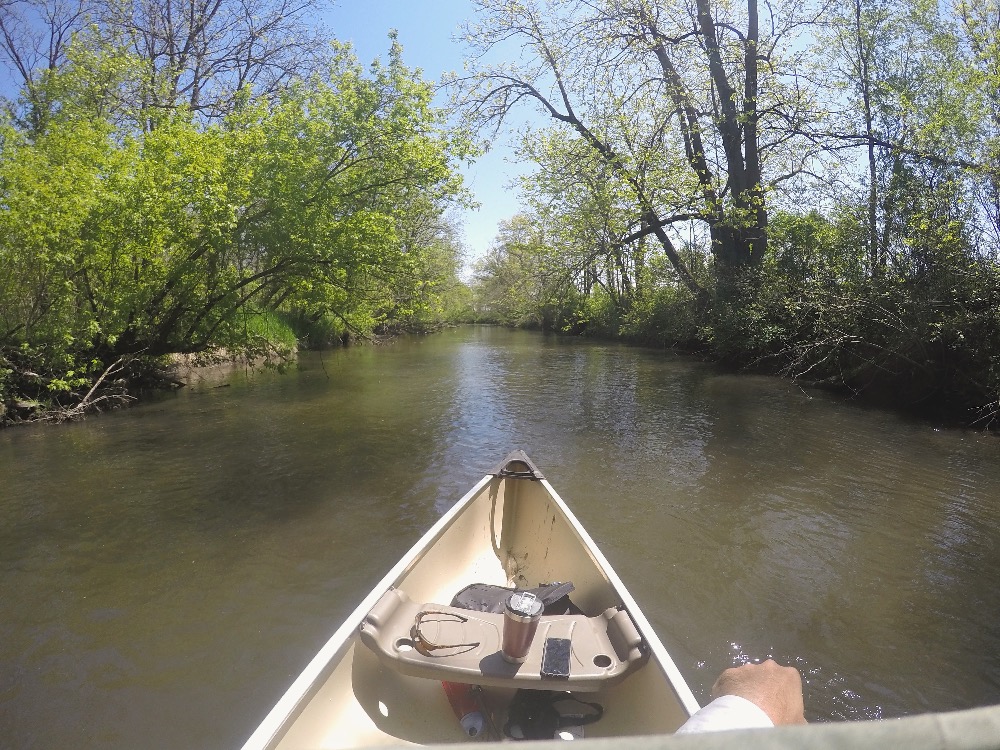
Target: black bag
<point>533,714</point>
<point>487,597</point>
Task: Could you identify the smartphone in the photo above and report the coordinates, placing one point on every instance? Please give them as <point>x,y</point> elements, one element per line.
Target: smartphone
<point>555,658</point>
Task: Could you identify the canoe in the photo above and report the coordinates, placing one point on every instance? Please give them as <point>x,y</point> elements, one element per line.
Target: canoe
<point>391,672</point>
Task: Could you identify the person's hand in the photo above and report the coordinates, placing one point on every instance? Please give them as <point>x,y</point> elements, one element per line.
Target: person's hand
<point>774,689</point>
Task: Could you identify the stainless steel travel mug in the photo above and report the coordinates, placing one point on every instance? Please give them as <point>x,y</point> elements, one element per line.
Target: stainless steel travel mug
<point>520,621</point>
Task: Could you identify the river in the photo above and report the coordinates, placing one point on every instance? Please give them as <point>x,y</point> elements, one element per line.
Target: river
<point>165,571</point>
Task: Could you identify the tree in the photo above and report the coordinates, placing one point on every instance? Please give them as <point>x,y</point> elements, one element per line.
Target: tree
<point>34,38</point>
<point>203,53</point>
<point>198,54</point>
<point>860,39</point>
<point>513,281</point>
<point>122,241</point>
<point>431,242</point>
<point>979,33</point>
<point>697,104</point>
<point>587,216</point>
<point>903,86</point>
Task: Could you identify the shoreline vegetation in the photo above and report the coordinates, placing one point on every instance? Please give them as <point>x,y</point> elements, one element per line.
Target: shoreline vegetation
<point>806,190</point>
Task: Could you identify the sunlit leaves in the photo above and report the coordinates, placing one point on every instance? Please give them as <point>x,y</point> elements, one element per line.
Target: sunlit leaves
<point>123,238</point>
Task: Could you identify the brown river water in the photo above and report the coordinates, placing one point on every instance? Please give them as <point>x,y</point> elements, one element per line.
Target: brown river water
<point>166,571</point>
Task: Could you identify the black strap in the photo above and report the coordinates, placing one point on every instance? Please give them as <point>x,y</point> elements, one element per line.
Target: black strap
<point>576,721</point>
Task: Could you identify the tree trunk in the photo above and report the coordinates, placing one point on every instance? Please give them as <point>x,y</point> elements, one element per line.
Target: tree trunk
<point>738,240</point>
<point>864,69</point>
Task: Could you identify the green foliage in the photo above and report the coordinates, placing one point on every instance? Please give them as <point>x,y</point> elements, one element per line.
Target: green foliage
<point>926,337</point>
<point>315,331</point>
<point>458,304</point>
<point>597,315</point>
<point>879,277</point>
<point>668,316</point>
<point>513,282</point>
<point>125,232</point>
<point>265,330</point>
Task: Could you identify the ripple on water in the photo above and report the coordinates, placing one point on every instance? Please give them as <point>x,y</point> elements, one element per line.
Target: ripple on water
<point>199,549</point>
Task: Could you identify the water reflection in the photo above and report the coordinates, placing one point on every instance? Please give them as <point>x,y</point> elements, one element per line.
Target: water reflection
<point>167,570</point>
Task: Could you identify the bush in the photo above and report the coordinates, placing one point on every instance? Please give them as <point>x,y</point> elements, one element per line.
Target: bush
<point>266,329</point>
<point>668,317</point>
<point>925,337</point>
<point>315,331</point>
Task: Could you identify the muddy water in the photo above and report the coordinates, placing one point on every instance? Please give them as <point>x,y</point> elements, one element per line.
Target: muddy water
<point>166,571</point>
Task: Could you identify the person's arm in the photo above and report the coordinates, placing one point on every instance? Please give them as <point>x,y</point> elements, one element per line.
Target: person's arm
<point>753,695</point>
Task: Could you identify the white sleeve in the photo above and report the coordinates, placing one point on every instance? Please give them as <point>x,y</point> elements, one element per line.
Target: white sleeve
<point>726,712</point>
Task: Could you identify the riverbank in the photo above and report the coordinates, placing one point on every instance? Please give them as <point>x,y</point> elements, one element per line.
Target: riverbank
<point>127,382</point>
<point>30,398</point>
<point>930,352</point>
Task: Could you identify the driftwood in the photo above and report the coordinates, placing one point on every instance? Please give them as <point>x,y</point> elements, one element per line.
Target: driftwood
<point>93,401</point>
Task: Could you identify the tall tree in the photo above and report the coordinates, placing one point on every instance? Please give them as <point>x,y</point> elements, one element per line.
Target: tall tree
<point>589,220</point>
<point>202,53</point>
<point>979,31</point>
<point>902,90</point>
<point>514,279</point>
<point>701,95</point>
<point>859,42</point>
<point>199,54</point>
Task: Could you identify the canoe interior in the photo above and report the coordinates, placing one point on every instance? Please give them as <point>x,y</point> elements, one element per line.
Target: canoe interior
<point>506,531</point>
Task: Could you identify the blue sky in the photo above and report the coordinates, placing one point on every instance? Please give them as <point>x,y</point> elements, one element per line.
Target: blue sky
<point>426,31</point>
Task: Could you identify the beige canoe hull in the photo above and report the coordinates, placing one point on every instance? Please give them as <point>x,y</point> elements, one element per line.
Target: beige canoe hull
<point>508,530</point>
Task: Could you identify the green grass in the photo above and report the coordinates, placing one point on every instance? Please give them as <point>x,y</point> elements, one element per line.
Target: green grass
<point>269,327</point>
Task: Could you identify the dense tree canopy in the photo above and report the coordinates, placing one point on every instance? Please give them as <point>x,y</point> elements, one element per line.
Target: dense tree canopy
<point>167,203</point>
<point>820,180</point>
<point>689,107</point>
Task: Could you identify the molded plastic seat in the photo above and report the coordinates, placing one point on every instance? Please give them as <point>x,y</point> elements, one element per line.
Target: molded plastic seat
<point>605,649</point>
